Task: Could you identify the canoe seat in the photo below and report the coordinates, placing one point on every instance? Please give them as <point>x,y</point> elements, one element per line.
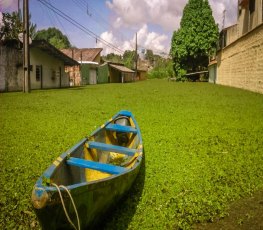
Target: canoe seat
<point>110,148</point>
<point>121,128</point>
<point>112,169</point>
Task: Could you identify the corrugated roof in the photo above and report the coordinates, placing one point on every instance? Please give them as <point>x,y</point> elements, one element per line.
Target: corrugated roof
<point>121,68</point>
<point>85,54</point>
<point>53,51</point>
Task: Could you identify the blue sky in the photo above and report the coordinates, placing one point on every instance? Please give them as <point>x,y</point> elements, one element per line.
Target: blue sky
<point>117,21</point>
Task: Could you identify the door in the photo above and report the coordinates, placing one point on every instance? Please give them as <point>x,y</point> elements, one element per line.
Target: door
<point>92,77</point>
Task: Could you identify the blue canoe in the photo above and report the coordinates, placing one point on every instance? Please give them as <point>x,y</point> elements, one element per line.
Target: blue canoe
<point>85,181</point>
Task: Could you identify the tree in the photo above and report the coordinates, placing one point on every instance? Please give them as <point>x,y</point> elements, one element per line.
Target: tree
<point>149,56</point>
<point>196,38</point>
<point>163,67</point>
<point>112,57</point>
<point>129,58</point>
<point>12,25</point>
<point>55,37</point>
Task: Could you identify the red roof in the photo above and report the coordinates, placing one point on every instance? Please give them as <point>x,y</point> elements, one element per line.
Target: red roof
<point>85,54</point>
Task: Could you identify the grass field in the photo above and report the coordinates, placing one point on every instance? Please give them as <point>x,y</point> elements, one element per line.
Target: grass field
<point>203,146</point>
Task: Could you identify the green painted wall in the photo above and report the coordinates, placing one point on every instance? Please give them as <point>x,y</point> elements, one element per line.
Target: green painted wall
<point>103,72</point>
<point>85,74</point>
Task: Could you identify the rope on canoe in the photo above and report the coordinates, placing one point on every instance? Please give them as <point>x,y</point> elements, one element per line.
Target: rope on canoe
<point>63,204</point>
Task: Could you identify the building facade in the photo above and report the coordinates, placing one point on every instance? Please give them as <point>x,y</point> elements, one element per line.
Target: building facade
<point>86,72</point>
<point>46,66</point>
<point>240,59</point>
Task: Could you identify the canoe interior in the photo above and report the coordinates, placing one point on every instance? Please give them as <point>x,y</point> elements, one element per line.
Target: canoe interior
<point>98,171</point>
<point>120,132</point>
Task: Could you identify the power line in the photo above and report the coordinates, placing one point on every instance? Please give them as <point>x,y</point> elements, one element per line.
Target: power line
<point>79,26</point>
<point>86,7</point>
<point>82,5</point>
<point>56,18</point>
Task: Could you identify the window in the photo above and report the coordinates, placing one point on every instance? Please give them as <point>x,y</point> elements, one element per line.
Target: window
<point>53,75</point>
<point>38,72</point>
<point>251,6</point>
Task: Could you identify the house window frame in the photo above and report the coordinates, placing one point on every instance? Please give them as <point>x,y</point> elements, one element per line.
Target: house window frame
<point>38,72</point>
<point>252,6</point>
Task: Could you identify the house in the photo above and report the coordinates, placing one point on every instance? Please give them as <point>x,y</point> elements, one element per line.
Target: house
<point>119,73</point>
<point>240,57</point>
<point>86,72</point>
<point>110,72</point>
<point>46,66</point>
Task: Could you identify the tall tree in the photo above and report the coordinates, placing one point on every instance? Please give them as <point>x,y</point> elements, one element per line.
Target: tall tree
<point>196,38</point>
<point>55,37</point>
<point>12,25</point>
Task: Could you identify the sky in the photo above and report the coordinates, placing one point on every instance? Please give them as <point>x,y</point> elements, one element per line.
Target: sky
<point>113,24</point>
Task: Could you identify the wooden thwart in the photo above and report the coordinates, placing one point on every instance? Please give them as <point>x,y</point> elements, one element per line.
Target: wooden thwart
<point>112,169</point>
<point>121,128</point>
<point>110,148</point>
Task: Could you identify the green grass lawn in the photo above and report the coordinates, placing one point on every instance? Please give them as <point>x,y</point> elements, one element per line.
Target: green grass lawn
<point>203,146</point>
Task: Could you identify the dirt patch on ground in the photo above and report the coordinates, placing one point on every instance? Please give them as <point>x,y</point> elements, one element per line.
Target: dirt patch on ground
<point>246,213</point>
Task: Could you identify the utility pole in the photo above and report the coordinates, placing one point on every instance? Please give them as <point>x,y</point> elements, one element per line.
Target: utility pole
<point>26,47</point>
<point>19,10</point>
<point>223,26</point>
<point>72,56</point>
<point>136,56</point>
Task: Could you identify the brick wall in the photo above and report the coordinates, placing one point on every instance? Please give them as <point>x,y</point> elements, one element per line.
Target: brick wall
<point>241,63</point>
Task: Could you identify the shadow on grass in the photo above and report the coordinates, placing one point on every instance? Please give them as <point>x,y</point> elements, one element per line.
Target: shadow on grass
<point>121,215</point>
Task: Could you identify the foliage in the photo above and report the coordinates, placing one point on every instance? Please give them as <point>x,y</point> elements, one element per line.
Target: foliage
<point>149,56</point>
<point>112,57</point>
<point>163,68</point>
<point>129,58</point>
<point>202,142</point>
<point>54,36</point>
<point>196,38</point>
<point>12,25</point>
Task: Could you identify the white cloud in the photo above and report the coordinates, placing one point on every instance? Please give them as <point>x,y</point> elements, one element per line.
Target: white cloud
<point>165,13</point>
<point>218,8</point>
<point>139,15</point>
<point>128,12</point>
<point>145,39</point>
<point>6,5</point>
<point>109,38</point>
<point>152,40</point>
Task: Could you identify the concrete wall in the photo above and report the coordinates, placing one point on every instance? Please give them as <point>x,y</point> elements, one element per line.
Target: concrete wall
<point>12,75</point>
<point>231,34</point>
<point>10,78</point>
<point>241,63</point>
<point>249,20</point>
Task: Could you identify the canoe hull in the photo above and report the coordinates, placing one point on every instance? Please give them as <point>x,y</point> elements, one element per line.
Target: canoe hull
<point>92,200</point>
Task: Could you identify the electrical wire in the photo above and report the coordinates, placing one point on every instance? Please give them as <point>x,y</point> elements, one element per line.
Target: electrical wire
<point>79,26</point>
<point>155,50</point>
<point>82,6</point>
